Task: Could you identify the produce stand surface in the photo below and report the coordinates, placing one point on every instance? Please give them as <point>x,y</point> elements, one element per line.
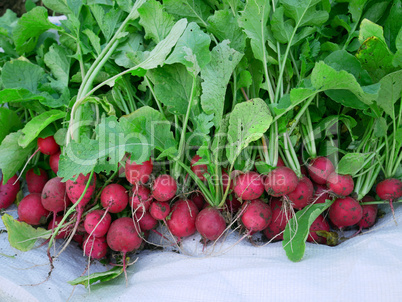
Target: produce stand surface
<point>366,268</point>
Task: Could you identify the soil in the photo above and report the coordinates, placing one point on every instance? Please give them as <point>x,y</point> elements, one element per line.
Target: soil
<point>18,6</point>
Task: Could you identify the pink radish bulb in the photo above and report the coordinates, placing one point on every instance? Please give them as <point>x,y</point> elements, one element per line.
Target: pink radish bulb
<point>198,170</point>
<point>138,172</point>
<point>123,235</point>
<point>54,197</point>
<point>182,219</point>
<point>141,198</point>
<point>8,191</point>
<point>114,197</point>
<point>198,200</point>
<point>164,188</point>
<point>48,145</point>
<point>31,211</point>
<point>319,224</point>
<point>280,218</point>
<point>321,194</point>
<point>319,169</point>
<point>159,210</point>
<point>145,221</point>
<point>389,189</point>
<point>256,216</point>
<point>302,195</point>
<point>369,213</point>
<point>97,223</point>
<point>95,247</point>
<point>232,204</point>
<point>345,212</point>
<point>248,186</point>
<point>75,188</point>
<point>341,185</point>
<point>210,223</point>
<point>280,181</point>
<point>54,162</point>
<point>36,182</point>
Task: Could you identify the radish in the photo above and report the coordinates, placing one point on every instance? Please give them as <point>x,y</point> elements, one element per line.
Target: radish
<point>76,188</point>
<point>256,215</point>
<point>53,197</point>
<point>319,169</point>
<point>114,198</point>
<point>321,193</point>
<point>302,195</point>
<point>319,224</point>
<point>123,236</point>
<point>145,221</point>
<point>198,170</point>
<point>280,181</point>
<point>138,172</point>
<point>182,219</point>
<point>159,210</point>
<point>248,186</point>
<point>341,185</point>
<point>54,162</point>
<point>369,213</point>
<point>95,247</point>
<point>9,191</point>
<point>141,199</point>
<point>164,188</point>
<point>210,223</point>
<point>280,218</point>
<point>31,211</point>
<point>48,145</point>
<point>97,223</point>
<point>280,162</point>
<point>389,189</point>
<point>345,212</point>
<point>198,200</point>
<point>36,182</point>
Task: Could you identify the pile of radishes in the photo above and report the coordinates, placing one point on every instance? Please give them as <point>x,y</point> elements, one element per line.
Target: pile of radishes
<point>119,216</point>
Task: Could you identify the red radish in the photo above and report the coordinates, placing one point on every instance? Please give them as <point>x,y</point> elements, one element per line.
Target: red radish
<point>123,236</point>
<point>54,162</point>
<point>138,172</point>
<point>114,198</point>
<point>97,223</point>
<point>256,215</point>
<point>164,188</point>
<point>53,197</point>
<point>321,193</point>
<point>280,218</point>
<point>280,181</point>
<point>48,145</point>
<point>389,189</point>
<point>146,221</point>
<point>345,212</point>
<point>198,200</point>
<point>182,219</point>
<point>320,224</point>
<point>369,213</point>
<point>198,170</point>
<point>141,199</point>
<point>95,247</point>
<point>210,223</point>
<point>341,185</point>
<point>248,186</point>
<point>9,191</point>
<point>319,169</point>
<point>232,204</point>
<point>31,211</point>
<point>54,224</point>
<point>76,188</point>
<point>36,182</point>
<point>159,210</point>
<point>302,195</point>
